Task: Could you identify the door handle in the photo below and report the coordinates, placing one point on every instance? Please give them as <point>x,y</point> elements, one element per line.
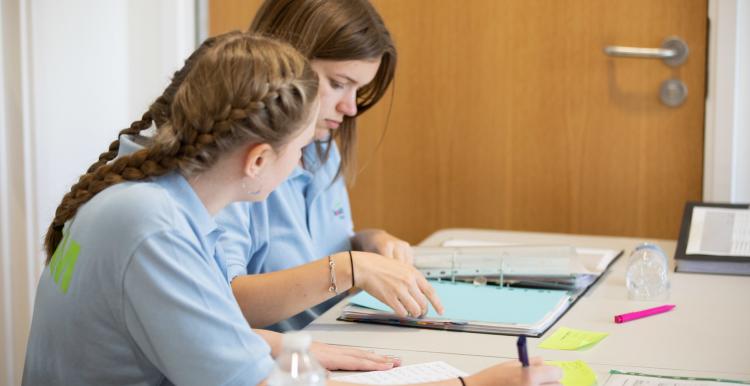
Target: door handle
<point>673,51</point>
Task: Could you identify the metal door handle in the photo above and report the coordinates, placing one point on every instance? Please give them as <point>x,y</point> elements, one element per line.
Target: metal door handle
<point>638,52</point>
<point>673,51</point>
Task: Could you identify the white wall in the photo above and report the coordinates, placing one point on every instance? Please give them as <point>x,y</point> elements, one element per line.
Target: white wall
<point>74,73</point>
<point>742,99</point>
<point>727,141</point>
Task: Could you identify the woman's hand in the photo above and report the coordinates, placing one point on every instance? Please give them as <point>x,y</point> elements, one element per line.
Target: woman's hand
<point>351,359</point>
<point>383,243</point>
<point>399,285</point>
<point>512,374</point>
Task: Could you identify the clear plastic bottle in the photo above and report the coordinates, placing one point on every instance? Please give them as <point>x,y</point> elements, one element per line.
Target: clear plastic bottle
<point>295,366</point>
<point>647,276</point>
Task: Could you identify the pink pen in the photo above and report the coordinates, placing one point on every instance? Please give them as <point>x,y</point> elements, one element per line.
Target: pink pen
<point>642,314</point>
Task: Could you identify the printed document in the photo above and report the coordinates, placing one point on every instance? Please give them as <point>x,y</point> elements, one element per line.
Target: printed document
<point>419,373</point>
<point>719,232</point>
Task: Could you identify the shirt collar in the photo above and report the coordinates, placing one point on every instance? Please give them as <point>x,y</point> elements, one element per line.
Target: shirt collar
<point>127,146</point>
<point>179,188</point>
<point>311,160</point>
<point>185,196</point>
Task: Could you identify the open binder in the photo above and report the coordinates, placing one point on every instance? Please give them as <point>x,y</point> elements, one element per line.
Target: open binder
<point>536,266</point>
<point>546,281</point>
<point>486,309</point>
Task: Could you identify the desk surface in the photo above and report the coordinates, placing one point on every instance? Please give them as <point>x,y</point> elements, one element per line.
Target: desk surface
<point>475,363</point>
<point>708,333</point>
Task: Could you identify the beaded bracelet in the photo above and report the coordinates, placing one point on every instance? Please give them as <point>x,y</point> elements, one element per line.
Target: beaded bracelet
<point>332,268</point>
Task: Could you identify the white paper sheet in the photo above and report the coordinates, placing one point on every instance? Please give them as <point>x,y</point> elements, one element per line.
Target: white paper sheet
<point>418,373</point>
<point>594,260</point>
<point>719,232</point>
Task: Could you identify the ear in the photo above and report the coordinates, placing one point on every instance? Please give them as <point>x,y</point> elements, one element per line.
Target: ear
<point>257,157</point>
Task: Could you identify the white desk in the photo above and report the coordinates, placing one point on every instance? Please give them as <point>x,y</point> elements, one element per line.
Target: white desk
<point>707,334</point>
<point>475,363</point>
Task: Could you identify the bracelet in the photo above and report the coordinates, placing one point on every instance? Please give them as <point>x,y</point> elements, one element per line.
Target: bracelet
<point>351,262</point>
<point>332,268</point>
<point>463,383</point>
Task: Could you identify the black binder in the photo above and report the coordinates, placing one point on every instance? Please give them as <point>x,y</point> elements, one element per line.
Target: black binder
<point>712,264</point>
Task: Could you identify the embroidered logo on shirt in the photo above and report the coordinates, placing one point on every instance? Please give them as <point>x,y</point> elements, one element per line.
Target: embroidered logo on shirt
<point>64,262</point>
<point>339,210</point>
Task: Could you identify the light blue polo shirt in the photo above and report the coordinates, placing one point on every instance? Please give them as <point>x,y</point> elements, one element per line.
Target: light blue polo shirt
<point>309,214</point>
<point>307,217</point>
<point>304,219</point>
<point>245,225</point>
<point>137,294</point>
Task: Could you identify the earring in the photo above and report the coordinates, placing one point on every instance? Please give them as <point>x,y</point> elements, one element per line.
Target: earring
<point>250,191</point>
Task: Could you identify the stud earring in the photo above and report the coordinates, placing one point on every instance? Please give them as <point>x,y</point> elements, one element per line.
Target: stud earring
<point>250,191</point>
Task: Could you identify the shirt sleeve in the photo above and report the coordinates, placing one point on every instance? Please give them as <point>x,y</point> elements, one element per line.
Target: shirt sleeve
<point>181,314</point>
<point>243,241</point>
<point>260,230</point>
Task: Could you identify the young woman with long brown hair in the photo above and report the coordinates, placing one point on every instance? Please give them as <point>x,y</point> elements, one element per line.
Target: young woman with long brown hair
<point>308,217</point>
<point>136,289</point>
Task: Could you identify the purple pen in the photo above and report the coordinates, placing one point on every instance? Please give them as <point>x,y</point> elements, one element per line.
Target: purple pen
<point>523,355</point>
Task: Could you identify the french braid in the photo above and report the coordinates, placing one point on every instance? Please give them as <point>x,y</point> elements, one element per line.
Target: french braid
<point>241,89</point>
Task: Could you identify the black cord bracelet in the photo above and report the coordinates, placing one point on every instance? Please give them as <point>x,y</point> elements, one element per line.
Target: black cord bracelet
<point>351,261</point>
<point>463,383</point>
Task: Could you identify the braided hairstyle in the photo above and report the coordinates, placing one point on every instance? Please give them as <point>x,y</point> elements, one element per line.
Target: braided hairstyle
<point>236,89</point>
<point>158,112</point>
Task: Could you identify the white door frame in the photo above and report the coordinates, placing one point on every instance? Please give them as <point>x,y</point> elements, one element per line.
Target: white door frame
<point>726,165</point>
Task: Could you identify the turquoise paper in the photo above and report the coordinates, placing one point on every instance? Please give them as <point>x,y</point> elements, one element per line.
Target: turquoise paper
<point>467,302</point>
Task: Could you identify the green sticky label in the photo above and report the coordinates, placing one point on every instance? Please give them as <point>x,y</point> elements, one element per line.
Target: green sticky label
<point>569,339</point>
<point>55,262</point>
<point>64,261</point>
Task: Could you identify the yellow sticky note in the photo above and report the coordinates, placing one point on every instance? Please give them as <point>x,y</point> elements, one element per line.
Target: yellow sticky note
<point>569,339</point>
<point>575,373</point>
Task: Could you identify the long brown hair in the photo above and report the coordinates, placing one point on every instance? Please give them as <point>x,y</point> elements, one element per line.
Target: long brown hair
<point>235,89</point>
<point>335,30</point>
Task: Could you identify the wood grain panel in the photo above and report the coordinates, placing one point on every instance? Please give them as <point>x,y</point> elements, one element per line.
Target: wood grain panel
<point>229,15</point>
<point>507,115</point>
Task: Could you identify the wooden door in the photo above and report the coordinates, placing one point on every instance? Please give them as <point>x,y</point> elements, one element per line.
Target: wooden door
<point>508,115</point>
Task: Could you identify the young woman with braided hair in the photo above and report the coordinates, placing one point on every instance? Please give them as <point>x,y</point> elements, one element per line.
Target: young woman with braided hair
<point>129,141</point>
<point>136,290</point>
<point>312,278</point>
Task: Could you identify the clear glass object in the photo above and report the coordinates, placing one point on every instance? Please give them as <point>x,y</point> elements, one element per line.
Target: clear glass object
<point>295,366</point>
<point>647,277</point>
